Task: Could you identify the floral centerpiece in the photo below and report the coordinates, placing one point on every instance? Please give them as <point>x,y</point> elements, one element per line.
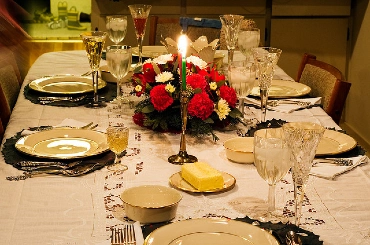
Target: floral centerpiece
<point>212,102</point>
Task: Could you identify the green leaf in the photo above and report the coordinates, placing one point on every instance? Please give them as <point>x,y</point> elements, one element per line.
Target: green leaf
<point>209,120</point>
<point>220,83</point>
<point>234,113</point>
<point>148,109</point>
<point>197,91</point>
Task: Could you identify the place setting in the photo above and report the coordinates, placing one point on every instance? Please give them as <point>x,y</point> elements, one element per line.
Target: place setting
<point>70,149</point>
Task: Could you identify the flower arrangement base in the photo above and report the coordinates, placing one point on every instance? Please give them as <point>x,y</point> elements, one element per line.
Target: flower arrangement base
<point>181,158</point>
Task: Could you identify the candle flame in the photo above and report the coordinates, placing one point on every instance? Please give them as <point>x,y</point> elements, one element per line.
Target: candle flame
<point>182,45</point>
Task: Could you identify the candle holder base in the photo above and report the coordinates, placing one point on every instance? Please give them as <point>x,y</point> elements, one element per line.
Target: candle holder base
<point>181,158</point>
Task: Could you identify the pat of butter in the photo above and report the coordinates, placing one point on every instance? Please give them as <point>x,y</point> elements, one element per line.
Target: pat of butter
<point>202,176</point>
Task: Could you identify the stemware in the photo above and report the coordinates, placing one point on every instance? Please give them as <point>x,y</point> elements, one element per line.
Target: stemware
<point>119,63</point>
<point>248,39</point>
<point>271,158</point>
<point>117,138</point>
<point>302,139</point>
<point>116,27</point>
<point>140,13</point>
<point>231,24</point>
<point>94,42</point>
<point>265,60</point>
<point>241,77</point>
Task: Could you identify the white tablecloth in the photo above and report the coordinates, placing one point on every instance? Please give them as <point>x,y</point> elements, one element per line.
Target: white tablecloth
<point>81,210</point>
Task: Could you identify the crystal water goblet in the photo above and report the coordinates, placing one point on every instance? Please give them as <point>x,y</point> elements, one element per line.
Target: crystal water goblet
<point>271,158</point>
<point>302,139</point>
<point>116,27</point>
<point>119,62</point>
<point>248,39</point>
<point>117,138</point>
<point>242,76</point>
<point>265,60</point>
<point>140,13</point>
<point>94,43</point>
<point>231,24</point>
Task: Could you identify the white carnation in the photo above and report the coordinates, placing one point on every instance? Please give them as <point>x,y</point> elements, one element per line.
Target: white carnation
<point>164,77</point>
<point>196,61</point>
<point>163,59</point>
<point>222,109</point>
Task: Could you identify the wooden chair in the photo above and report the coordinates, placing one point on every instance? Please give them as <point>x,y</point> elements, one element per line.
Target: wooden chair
<point>196,27</point>
<point>163,27</point>
<point>326,81</point>
<point>2,130</point>
<point>4,109</point>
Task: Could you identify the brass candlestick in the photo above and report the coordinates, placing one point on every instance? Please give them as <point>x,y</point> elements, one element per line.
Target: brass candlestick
<point>183,157</point>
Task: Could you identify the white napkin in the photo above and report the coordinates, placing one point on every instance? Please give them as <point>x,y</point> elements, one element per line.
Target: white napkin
<point>66,122</point>
<point>285,108</point>
<point>138,233</point>
<point>330,171</point>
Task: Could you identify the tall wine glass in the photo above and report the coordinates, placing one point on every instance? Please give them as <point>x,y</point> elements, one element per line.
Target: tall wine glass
<point>116,27</point>
<point>94,42</point>
<point>271,158</point>
<point>248,39</point>
<point>265,59</point>
<point>231,24</point>
<point>117,138</point>
<point>302,139</point>
<point>119,63</point>
<point>242,76</point>
<point>140,13</point>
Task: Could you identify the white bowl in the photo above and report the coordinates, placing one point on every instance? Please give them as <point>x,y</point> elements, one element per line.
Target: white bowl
<point>240,149</point>
<point>106,75</point>
<point>151,203</point>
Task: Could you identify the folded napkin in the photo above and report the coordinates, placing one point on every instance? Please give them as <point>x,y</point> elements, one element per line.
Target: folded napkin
<point>285,108</point>
<point>331,171</point>
<point>68,122</point>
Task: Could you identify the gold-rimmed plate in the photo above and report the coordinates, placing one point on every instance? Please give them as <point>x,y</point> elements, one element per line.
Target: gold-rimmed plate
<point>150,51</point>
<point>63,143</point>
<point>210,231</point>
<point>65,84</point>
<point>334,142</point>
<point>284,89</point>
<point>178,182</point>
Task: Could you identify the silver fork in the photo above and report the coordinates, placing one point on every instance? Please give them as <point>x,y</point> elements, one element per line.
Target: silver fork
<point>296,102</point>
<point>117,237</point>
<point>130,238</point>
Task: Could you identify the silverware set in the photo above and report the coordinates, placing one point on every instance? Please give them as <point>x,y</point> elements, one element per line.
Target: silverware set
<point>334,161</point>
<point>274,103</point>
<point>50,99</point>
<point>123,236</point>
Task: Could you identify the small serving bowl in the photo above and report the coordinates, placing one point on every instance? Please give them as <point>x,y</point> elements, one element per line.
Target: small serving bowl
<point>240,149</point>
<point>151,203</point>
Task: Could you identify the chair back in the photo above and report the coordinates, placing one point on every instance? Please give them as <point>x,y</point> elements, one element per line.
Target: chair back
<point>162,27</point>
<point>325,81</point>
<point>196,27</point>
<point>4,109</point>
<point>2,130</point>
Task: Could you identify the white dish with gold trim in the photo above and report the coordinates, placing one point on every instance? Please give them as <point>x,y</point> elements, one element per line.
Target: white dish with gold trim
<point>65,84</point>
<point>284,89</point>
<point>63,143</point>
<point>334,142</point>
<point>150,51</point>
<point>210,232</point>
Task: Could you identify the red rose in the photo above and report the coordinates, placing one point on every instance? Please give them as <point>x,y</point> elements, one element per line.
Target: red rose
<point>228,94</point>
<point>160,98</point>
<point>200,106</point>
<point>196,81</point>
<point>149,72</point>
<point>216,76</point>
<point>139,118</point>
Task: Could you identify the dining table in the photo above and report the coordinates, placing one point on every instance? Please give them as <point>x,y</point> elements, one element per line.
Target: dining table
<point>58,209</point>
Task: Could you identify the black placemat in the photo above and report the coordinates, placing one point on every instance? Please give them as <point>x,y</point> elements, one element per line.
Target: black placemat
<point>12,155</point>
<point>278,230</point>
<point>108,93</point>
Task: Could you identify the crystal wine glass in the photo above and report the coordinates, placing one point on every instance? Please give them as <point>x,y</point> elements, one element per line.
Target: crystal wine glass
<point>302,140</point>
<point>116,27</point>
<point>140,13</point>
<point>248,39</point>
<point>271,158</point>
<point>231,24</point>
<point>242,76</point>
<point>94,42</point>
<point>117,138</point>
<point>119,63</point>
<point>265,60</point>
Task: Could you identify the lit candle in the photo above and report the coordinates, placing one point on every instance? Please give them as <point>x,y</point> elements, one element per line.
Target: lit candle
<point>182,45</point>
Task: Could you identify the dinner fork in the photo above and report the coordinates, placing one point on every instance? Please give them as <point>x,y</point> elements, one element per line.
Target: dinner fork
<point>130,238</point>
<point>117,237</point>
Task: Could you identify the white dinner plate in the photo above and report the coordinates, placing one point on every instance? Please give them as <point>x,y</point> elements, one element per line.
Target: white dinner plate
<point>284,89</point>
<point>150,51</point>
<point>65,84</point>
<point>334,142</point>
<point>63,143</point>
<point>178,182</point>
<point>210,232</point>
